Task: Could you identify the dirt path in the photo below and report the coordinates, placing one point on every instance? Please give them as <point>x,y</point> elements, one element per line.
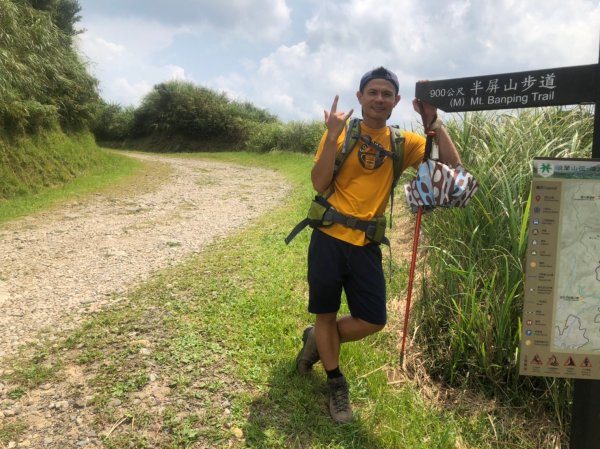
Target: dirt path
<point>58,266</point>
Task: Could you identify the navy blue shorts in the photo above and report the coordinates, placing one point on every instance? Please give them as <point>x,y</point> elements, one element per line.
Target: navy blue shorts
<point>334,265</point>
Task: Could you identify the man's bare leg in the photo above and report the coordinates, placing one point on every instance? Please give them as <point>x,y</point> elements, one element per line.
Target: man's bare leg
<point>330,332</point>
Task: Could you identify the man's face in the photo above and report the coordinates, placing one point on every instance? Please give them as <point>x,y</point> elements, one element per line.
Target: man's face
<point>377,99</point>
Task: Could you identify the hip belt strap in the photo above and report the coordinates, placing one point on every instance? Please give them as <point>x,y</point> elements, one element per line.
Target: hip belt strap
<point>333,216</point>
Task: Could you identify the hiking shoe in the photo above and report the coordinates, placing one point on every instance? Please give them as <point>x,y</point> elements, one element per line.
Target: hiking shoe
<point>339,400</point>
<point>308,355</point>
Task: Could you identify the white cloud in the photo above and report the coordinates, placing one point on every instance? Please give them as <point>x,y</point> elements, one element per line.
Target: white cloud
<point>176,73</point>
<point>125,92</point>
<point>225,45</point>
<point>122,54</point>
<point>428,40</point>
<point>234,85</point>
<point>129,37</point>
<point>490,36</point>
<point>112,49</point>
<point>251,19</point>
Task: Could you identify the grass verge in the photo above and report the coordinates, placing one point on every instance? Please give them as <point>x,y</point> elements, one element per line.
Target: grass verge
<point>113,171</point>
<point>202,356</point>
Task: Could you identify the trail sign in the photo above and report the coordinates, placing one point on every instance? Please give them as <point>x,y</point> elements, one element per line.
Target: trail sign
<point>548,87</point>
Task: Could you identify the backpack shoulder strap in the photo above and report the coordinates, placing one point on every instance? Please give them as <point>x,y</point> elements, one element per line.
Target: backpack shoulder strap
<point>352,136</point>
<point>397,138</point>
<point>397,141</point>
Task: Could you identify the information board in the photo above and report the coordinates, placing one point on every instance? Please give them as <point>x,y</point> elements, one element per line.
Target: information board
<point>561,310</point>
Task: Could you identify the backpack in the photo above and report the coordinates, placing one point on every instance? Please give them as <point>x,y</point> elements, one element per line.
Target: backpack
<point>322,214</point>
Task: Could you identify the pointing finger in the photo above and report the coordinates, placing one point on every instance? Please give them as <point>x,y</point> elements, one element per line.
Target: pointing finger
<point>334,105</point>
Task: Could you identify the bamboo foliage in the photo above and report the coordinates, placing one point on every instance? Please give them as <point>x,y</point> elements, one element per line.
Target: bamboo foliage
<point>43,82</point>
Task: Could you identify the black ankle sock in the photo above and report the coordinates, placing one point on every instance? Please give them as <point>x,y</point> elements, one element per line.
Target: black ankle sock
<point>334,373</point>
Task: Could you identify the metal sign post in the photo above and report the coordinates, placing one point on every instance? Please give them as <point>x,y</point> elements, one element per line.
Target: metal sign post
<point>548,87</point>
<point>585,420</point>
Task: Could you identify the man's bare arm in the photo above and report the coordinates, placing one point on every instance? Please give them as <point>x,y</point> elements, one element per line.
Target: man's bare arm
<point>322,172</point>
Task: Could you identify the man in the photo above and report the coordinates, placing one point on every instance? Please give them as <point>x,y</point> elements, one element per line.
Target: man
<point>341,257</point>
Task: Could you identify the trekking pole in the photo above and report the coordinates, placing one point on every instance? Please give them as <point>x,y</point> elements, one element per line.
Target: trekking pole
<point>411,276</point>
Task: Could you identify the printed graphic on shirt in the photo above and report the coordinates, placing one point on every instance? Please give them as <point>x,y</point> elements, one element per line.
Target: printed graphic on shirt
<point>370,158</point>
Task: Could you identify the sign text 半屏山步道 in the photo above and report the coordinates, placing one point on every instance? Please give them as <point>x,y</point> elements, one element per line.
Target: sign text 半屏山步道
<point>549,87</point>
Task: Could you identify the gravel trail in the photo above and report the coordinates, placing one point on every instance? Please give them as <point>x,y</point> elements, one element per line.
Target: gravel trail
<point>58,266</point>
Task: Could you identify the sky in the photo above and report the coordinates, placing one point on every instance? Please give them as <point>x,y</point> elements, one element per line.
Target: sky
<point>292,57</point>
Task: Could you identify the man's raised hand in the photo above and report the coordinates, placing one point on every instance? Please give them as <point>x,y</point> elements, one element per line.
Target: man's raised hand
<point>336,121</point>
<point>427,111</point>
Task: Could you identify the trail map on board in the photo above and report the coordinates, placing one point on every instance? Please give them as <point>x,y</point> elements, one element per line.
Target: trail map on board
<point>577,309</point>
<point>561,306</point>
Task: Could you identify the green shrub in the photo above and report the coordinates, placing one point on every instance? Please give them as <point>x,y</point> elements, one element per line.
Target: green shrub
<point>293,136</point>
<point>28,116</point>
<point>112,122</point>
<point>250,113</point>
<point>180,116</point>
<point>264,138</point>
<point>48,159</point>
<point>178,108</point>
<point>302,137</point>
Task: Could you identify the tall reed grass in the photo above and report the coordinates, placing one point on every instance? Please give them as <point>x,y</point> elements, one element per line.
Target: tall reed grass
<point>470,310</point>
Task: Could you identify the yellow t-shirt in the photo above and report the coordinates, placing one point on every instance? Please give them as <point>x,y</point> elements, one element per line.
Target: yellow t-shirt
<point>362,186</point>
